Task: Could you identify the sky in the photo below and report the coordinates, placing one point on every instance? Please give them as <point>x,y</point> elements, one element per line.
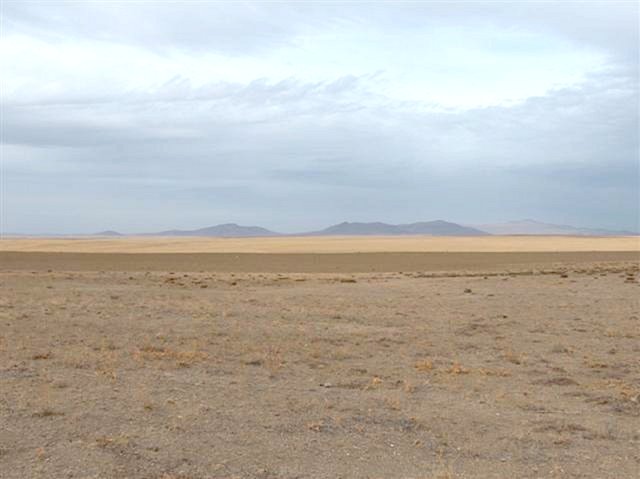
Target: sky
<point>146,116</point>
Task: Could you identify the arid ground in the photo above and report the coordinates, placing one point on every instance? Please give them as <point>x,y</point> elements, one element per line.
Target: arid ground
<point>257,359</point>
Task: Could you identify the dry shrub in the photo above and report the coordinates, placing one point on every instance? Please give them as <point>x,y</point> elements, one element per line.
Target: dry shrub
<point>47,413</point>
<point>41,356</point>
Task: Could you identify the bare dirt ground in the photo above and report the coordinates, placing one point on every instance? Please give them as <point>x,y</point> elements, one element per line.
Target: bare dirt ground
<point>485,369</point>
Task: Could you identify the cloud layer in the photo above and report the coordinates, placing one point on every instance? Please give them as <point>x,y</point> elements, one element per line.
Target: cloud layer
<point>140,117</point>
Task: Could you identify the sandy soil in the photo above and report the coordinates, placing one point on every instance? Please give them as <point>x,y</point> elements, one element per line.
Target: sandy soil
<point>522,369</point>
<point>325,244</point>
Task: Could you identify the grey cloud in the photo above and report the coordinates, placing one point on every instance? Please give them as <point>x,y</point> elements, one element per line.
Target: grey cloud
<point>573,144</point>
<point>292,155</point>
<point>177,112</point>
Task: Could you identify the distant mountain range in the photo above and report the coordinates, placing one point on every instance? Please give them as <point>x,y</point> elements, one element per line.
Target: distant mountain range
<point>228,230</point>
<point>430,228</point>
<point>531,227</point>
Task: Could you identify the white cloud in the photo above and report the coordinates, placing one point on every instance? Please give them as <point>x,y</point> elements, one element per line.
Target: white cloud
<point>435,67</point>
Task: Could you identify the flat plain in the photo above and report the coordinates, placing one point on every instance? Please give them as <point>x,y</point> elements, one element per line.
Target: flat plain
<point>320,358</point>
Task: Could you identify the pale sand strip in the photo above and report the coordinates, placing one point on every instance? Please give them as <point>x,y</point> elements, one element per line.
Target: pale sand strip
<point>331,244</point>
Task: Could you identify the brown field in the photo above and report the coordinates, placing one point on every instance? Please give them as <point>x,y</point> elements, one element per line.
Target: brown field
<point>435,358</point>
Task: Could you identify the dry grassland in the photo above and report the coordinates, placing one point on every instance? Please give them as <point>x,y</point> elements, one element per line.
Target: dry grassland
<point>325,244</point>
<point>528,369</point>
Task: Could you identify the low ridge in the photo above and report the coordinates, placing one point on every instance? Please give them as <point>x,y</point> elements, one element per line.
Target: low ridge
<point>432,228</point>
<point>532,227</point>
<point>227,230</point>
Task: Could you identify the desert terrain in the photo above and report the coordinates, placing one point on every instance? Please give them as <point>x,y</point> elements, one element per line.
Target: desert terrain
<point>407,358</point>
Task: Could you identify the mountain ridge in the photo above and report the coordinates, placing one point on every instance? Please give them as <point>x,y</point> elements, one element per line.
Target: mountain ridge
<point>431,228</point>
<point>226,230</point>
<point>533,227</point>
<point>376,228</point>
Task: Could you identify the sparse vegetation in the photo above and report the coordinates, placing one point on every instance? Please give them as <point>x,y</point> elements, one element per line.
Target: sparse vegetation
<point>404,371</point>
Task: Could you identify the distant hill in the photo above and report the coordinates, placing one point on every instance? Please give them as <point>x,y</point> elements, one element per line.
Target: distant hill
<point>441,228</point>
<point>228,230</point>
<point>432,228</point>
<point>357,229</point>
<point>108,233</point>
<point>531,227</point>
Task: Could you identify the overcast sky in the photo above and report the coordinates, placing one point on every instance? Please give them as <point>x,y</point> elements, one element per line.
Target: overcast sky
<point>143,116</point>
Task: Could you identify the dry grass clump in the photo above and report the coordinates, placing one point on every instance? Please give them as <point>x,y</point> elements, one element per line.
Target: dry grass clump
<point>105,442</point>
<point>513,357</point>
<point>610,333</point>
<point>375,383</point>
<point>595,364</point>
<point>108,364</point>
<point>271,359</point>
<point>47,413</point>
<point>424,365</point>
<point>561,349</point>
<point>627,391</point>
<point>395,404</point>
<point>162,353</point>
<point>175,476</point>
<point>41,356</point>
<point>317,426</point>
<point>494,372</point>
<point>409,387</point>
<point>457,369</point>
<point>144,396</point>
<point>76,357</point>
